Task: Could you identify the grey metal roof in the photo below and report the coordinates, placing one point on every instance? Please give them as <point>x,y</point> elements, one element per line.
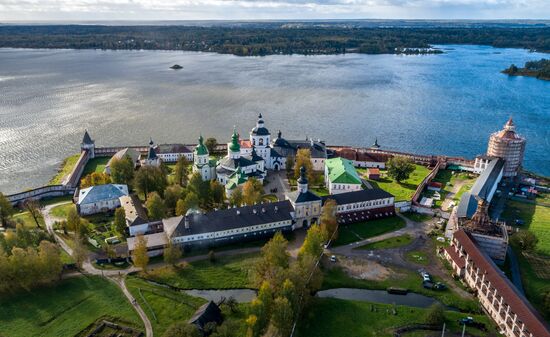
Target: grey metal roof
<point>297,197</point>
<point>101,192</point>
<point>358,196</point>
<point>481,188</point>
<point>243,161</point>
<point>172,148</point>
<point>231,218</point>
<point>487,178</point>
<point>286,148</point>
<point>467,206</point>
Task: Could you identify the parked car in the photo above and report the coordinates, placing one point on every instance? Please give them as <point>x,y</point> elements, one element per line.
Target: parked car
<point>333,258</point>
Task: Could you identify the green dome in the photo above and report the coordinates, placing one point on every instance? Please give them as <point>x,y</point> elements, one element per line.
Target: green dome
<point>235,146</point>
<point>201,149</point>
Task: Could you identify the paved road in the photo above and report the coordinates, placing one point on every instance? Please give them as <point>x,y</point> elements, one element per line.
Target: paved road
<point>396,256</point>
<point>118,276</point>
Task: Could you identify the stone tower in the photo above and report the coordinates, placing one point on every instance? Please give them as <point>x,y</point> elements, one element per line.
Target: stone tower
<point>88,144</point>
<point>508,145</point>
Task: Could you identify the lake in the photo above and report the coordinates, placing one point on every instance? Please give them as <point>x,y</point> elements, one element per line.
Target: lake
<point>431,104</point>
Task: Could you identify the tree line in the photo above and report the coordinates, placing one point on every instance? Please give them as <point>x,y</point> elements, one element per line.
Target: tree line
<point>268,40</point>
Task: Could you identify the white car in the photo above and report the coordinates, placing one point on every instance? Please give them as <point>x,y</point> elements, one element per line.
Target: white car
<point>333,258</point>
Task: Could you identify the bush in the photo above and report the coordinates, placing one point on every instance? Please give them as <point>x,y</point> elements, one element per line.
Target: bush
<point>435,314</point>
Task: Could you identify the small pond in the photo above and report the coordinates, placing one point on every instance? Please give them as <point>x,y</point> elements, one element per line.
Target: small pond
<point>241,295</point>
<point>379,296</point>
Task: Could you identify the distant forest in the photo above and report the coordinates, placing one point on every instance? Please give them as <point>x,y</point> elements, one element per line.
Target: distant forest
<point>259,41</point>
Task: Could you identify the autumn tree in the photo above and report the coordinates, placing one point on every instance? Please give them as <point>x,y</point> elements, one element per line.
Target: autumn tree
<point>303,158</point>
<point>171,196</point>
<point>94,179</point>
<point>33,207</point>
<point>150,179</point>
<point>236,198</point>
<point>181,171</point>
<point>172,253</point>
<point>183,205</point>
<point>400,168</point>
<point>139,254</point>
<point>119,222</point>
<point>122,170</point>
<point>328,220</point>
<point>289,163</point>
<point>252,191</point>
<point>313,244</point>
<point>80,254</point>
<point>273,262</point>
<point>217,193</point>
<point>155,206</point>
<point>6,210</point>
<point>282,316</point>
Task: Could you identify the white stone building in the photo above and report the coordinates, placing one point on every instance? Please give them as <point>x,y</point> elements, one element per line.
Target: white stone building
<point>100,198</point>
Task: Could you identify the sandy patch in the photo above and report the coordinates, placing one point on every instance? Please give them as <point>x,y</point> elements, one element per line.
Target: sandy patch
<point>365,269</point>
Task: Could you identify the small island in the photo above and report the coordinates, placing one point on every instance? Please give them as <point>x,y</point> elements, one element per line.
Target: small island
<point>539,69</point>
<point>176,67</point>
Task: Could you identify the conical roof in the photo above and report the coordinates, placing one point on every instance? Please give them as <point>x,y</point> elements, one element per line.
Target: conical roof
<point>87,139</point>
<point>234,146</point>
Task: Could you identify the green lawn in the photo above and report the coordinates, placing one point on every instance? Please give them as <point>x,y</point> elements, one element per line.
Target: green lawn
<point>269,198</point>
<point>535,284</point>
<point>66,167</point>
<point>400,278</point>
<point>364,230</point>
<point>64,310</point>
<point>537,220</point>
<point>402,191</point>
<point>320,191</point>
<point>417,256</point>
<point>96,164</point>
<point>329,317</point>
<point>418,217</point>
<point>395,242</point>
<point>28,220</point>
<point>226,272</point>
<point>165,307</point>
<point>61,211</point>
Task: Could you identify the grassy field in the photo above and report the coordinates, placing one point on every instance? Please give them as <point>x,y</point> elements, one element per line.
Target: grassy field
<point>65,168</point>
<point>363,230</point>
<point>95,165</point>
<point>329,317</point>
<point>404,190</point>
<point>401,278</point>
<point>537,220</point>
<point>64,310</point>
<point>28,220</point>
<point>395,242</point>
<point>536,281</point>
<point>61,211</point>
<point>417,216</point>
<point>165,307</point>
<point>417,256</point>
<point>226,272</point>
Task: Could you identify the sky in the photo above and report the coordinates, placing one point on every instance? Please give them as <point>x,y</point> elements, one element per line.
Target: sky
<point>82,10</point>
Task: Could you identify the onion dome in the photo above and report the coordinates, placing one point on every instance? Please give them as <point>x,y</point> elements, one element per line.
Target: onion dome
<point>260,129</point>
<point>235,146</point>
<point>201,149</point>
<point>303,178</point>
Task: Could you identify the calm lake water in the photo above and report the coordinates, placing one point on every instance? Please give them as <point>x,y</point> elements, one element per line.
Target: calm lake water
<point>440,104</point>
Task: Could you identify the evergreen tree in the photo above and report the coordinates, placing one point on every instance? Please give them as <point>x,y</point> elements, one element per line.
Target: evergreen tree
<point>210,144</point>
<point>119,222</point>
<point>181,171</point>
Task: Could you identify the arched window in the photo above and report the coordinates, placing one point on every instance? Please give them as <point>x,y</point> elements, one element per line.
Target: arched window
<point>261,140</point>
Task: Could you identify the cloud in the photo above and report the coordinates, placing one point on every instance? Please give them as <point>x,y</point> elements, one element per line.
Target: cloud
<point>268,9</point>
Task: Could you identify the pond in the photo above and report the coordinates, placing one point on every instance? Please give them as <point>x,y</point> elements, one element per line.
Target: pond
<point>240,295</point>
<point>379,296</point>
